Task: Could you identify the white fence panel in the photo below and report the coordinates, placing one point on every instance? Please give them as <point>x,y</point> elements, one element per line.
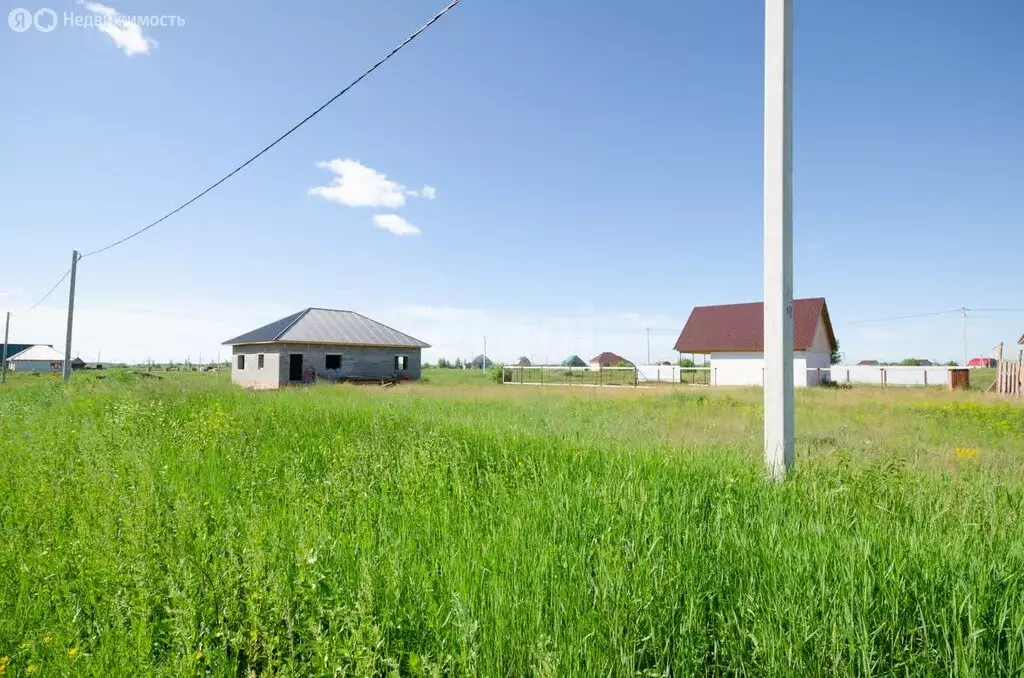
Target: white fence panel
<point>895,375</point>
<point>658,373</point>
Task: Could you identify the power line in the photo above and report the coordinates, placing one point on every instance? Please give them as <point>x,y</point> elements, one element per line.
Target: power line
<point>279,139</point>
<point>996,310</point>
<point>903,317</point>
<point>47,295</point>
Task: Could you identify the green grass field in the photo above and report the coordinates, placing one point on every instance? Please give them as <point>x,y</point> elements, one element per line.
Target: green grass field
<point>177,526</point>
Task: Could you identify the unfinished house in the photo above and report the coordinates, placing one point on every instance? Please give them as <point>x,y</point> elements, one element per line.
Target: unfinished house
<point>325,344</point>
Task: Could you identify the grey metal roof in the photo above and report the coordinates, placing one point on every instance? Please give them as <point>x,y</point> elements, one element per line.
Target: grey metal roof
<point>328,326</point>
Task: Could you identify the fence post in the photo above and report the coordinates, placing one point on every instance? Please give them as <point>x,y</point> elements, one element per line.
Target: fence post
<point>600,375</point>
<point>635,370</point>
<point>925,377</point>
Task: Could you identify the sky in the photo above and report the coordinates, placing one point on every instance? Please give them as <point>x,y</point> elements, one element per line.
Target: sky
<point>557,177</point>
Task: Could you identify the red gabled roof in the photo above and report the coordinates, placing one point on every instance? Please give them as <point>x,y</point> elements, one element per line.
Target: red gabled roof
<point>740,327</point>
<point>608,359</point>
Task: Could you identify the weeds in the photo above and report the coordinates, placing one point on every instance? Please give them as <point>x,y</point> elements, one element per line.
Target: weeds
<point>156,529</point>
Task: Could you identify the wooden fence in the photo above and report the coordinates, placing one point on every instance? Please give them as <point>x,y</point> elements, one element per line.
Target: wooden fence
<point>1009,378</point>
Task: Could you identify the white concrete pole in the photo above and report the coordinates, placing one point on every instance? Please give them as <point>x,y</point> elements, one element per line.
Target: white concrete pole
<point>3,361</point>
<point>778,237</point>
<point>71,316</point>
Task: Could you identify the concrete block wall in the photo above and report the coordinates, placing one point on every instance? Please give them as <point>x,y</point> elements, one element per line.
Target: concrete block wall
<point>372,362</point>
<point>251,375</point>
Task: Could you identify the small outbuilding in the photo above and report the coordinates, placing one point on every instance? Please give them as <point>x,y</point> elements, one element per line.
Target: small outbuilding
<point>608,359</point>
<point>481,362</point>
<point>573,361</point>
<point>524,362</point>
<point>323,343</point>
<point>733,336</point>
<point>38,358</point>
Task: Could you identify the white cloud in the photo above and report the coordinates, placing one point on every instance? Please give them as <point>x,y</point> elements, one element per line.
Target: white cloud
<point>127,35</point>
<point>428,192</point>
<point>395,224</point>
<point>357,185</point>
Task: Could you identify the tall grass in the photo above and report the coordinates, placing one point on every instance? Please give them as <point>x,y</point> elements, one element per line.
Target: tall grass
<point>182,529</point>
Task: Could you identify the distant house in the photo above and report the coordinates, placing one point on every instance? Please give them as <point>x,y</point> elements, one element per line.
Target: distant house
<point>573,361</point>
<point>15,349</point>
<point>481,362</point>
<point>733,335</point>
<point>608,359</point>
<point>38,358</point>
<point>325,343</point>
<point>524,362</point>
<point>981,362</point>
<point>78,364</point>
<point>868,363</point>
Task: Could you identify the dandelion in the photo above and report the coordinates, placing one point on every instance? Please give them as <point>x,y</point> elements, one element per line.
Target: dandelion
<point>73,652</point>
<point>47,639</point>
<point>965,453</point>
<point>31,668</point>
<point>4,661</point>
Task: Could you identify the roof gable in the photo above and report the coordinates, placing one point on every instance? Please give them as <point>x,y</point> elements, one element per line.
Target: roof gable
<point>328,326</point>
<point>608,359</point>
<point>15,349</point>
<point>740,327</point>
<point>38,352</point>
<point>269,332</point>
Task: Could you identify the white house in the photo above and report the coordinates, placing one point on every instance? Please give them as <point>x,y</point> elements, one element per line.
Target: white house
<point>38,358</point>
<point>733,336</point>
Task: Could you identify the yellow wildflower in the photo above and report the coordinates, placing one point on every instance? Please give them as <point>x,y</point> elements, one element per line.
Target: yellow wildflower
<point>4,661</point>
<point>31,668</point>
<point>72,652</point>
<point>47,639</point>
<point>965,453</point>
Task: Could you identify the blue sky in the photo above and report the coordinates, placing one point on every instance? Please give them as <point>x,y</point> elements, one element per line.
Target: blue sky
<point>597,169</point>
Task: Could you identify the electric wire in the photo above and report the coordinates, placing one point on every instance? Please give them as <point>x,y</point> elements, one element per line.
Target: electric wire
<point>279,139</point>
